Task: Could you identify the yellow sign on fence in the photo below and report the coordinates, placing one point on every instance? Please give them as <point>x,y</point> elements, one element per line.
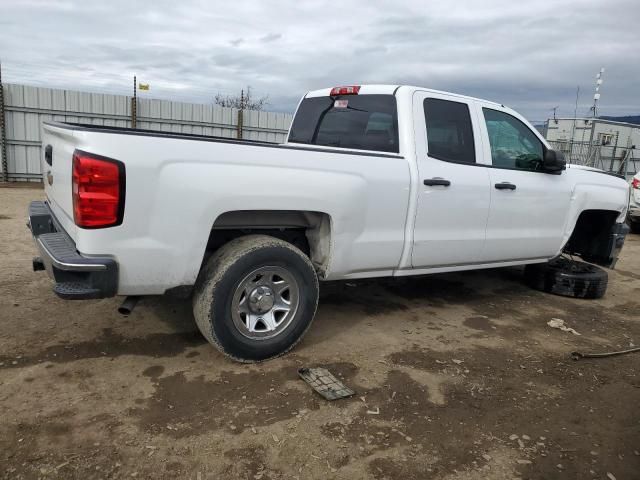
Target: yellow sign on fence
<point>143,86</point>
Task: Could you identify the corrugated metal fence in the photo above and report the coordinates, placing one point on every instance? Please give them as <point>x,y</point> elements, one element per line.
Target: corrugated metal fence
<point>27,107</point>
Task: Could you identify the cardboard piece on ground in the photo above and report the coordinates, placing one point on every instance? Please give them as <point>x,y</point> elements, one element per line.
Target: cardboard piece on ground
<point>323,382</point>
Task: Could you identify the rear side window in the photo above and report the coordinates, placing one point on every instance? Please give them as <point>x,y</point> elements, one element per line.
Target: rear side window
<point>364,122</point>
<point>449,131</point>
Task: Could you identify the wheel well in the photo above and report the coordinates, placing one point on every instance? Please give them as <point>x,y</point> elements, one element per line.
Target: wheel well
<point>591,236</point>
<point>308,231</point>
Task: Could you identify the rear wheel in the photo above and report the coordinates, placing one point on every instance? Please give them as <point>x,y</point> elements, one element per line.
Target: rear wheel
<point>568,278</point>
<point>256,297</point>
<point>634,225</point>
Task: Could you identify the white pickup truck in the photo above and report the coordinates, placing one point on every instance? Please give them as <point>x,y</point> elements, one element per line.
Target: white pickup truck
<point>373,181</point>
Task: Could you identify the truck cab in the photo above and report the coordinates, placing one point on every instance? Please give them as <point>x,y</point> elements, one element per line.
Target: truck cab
<point>485,186</point>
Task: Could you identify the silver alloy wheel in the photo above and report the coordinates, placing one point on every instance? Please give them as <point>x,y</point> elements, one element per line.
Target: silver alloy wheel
<point>265,302</point>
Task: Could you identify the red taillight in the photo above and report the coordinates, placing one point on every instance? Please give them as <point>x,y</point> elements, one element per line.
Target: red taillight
<point>98,191</point>
<point>635,183</point>
<point>351,90</point>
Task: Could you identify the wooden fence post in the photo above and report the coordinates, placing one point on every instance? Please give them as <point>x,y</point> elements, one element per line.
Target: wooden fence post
<point>3,133</point>
<point>134,104</point>
<point>240,116</point>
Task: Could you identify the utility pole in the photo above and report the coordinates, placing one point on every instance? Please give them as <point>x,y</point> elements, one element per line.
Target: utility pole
<point>134,103</point>
<point>3,132</point>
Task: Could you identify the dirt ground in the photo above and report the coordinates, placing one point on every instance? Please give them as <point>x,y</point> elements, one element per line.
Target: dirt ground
<point>457,376</point>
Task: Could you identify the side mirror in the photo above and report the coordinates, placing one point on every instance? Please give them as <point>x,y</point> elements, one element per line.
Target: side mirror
<point>554,162</point>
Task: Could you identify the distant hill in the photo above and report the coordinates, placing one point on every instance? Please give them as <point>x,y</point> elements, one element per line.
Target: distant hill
<point>628,119</point>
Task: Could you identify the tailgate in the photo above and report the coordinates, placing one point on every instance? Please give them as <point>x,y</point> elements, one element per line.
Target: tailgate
<point>58,145</point>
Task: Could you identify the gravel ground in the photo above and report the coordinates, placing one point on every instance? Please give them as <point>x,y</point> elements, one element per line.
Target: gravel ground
<point>457,376</point>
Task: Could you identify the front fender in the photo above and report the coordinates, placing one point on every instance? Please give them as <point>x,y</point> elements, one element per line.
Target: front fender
<point>595,226</point>
<point>612,194</point>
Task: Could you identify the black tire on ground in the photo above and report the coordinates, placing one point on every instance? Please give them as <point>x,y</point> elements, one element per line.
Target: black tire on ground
<point>634,226</point>
<point>229,272</point>
<point>567,278</point>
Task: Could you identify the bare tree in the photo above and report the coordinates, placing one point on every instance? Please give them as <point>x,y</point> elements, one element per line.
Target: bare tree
<point>245,101</point>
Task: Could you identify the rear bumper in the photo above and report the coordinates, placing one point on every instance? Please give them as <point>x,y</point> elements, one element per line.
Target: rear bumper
<point>76,276</point>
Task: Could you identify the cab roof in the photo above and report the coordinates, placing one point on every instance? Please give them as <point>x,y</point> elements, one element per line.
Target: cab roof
<point>364,90</point>
<point>391,90</point>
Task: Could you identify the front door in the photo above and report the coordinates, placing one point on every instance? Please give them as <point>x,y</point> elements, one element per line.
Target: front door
<point>453,194</point>
<point>529,207</point>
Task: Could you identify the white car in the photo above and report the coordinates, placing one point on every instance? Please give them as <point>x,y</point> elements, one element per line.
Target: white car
<point>374,181</point>
<point>634,204</point>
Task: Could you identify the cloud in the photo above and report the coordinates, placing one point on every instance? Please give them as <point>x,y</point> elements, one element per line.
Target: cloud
<point>270,37</point>
<point>530,56</point>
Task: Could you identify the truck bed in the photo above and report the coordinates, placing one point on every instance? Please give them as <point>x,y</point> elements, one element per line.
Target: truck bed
<point>179,185</point>
<point>207,138</point>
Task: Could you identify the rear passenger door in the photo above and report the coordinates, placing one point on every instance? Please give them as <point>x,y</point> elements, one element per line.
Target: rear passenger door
<point>529,207</point>
<point>453,191</point>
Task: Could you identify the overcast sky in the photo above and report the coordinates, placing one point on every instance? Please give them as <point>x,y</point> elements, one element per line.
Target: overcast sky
<point>530,55</point>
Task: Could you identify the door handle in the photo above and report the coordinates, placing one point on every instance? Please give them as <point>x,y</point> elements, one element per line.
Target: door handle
<point>505,186</point>
<point>437,181</point>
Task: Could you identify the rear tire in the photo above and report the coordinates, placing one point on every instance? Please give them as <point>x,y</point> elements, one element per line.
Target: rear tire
<point>567,278</point>
<point>255,297</point>
<point>634,226</point>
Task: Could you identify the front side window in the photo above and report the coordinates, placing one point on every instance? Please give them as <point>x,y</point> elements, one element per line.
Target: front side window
<point>364,122</point>
<point>449,131</point>
<point>513,144</point>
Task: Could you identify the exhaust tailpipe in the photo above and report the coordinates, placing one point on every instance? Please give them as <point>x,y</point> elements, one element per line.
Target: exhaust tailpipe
<point>128,305</point>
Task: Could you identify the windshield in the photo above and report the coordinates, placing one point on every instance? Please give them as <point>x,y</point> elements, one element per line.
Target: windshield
<point>365,122</point>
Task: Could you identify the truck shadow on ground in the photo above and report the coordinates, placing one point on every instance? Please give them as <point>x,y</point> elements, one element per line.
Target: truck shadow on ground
<point>359,300</point>
<point>375,297</point>
<point>382,295</point>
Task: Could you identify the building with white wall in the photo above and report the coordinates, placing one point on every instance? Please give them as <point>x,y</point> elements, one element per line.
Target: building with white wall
<point>593,131</point>
<point>597,142</point>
